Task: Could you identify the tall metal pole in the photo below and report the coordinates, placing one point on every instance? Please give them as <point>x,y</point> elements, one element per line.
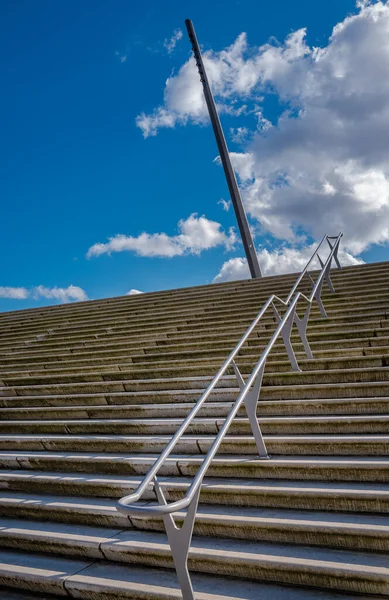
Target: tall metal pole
<point>243,225</point>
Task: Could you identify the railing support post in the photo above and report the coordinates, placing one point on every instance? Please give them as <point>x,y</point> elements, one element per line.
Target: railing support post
<point>302,325</point>
<point>251,403</point>
<point>285,334</point>
<point>179,539</point>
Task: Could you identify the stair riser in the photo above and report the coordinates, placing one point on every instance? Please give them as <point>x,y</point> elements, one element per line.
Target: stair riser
<point>346,282</point>
<point>188,468</point>
<point>199,445</point>
<point>159,323</point>
<point>123,383</point>
<point>164,346</point>
<point>221,409</point>
<point>219,495</point>
<point>363,425</point>
<point>208,366</point>
<point>116,396</point>
<point>205,526</point>
<point>185,328</point>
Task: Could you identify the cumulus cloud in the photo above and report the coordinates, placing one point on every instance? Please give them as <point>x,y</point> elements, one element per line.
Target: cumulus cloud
<point>16,293</point>
<point>133,292</point>
<point>195,235</point>
<point>69,294</point>
<point>323,165</point>
<point>282,260</point>
<point>170,44</point>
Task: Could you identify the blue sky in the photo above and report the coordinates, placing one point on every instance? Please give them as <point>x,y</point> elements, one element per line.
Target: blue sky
<point>75,168</point>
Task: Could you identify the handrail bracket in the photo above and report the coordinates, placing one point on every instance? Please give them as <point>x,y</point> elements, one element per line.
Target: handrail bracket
<point>179,539</point>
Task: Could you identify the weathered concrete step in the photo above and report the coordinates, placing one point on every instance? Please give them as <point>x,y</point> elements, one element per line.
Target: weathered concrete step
<point>114,381</point>
<point>365,277</point>
<point>294,425</point>
<point>180,390</point>
<point>323,444</point>
<point>210,297</point>
<point>119,382</point>
<point>231,335</point>
<point>313,468</point>
<point>326,529</point>
<point>99,580</point>
<point>337,313</point>
<point>227,335</point>
<point>187,327</point>
<point>334,306</point>
<point>108,321</point>
<point>192,348</point>
<point>340,570</point>
<point>265,493</point>
<point>320,406</point>
<point>249,353</point>
<point>106,357</point>
<point>205,366</point>
<point>371,294</point>
<point>174,323</point>
<point>25,531</point>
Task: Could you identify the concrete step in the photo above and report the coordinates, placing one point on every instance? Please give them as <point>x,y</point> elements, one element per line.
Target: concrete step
<point>314,468</point>
<point>50,337</point>
<point>325,529</point>
<point>323,333</point>
<point>177,298</point>
<point>320,406</point>
<point>334,306</point>
<point>99,580</point>
<point>324,444</point>
<point>101,357</point>
<point>375,370</point>
<point>338,570</point>
<point>203,337</point>
<point>188,298</point>
<point>264,493</point>
<point>338,311</point>
<point>191,348</point>
<point>26,520</point>
<point>208,365</point>
<point>275,385</point>
<point>293,425</point>
<point>171,390</point>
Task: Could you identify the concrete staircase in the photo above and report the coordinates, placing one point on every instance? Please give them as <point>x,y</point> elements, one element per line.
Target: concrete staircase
<point>90,394</point>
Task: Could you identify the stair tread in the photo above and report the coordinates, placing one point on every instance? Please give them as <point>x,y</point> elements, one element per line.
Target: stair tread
<point>76,576</point>
<point>116,538</point>
<point>249,516</point>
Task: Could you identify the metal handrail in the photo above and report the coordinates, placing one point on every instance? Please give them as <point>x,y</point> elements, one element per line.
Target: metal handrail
<point>179,539</point>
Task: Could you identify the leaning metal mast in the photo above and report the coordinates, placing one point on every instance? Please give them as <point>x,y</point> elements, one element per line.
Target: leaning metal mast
<point>244,228</point>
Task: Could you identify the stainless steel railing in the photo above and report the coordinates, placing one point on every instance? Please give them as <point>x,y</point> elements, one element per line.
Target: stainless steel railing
<point>180,539</point>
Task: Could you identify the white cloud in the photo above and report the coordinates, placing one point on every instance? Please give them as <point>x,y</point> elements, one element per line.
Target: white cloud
<point>195,235</point>
<point>171,43</point>
<point>234,73</point>
<point>226,204</point>
<point>239,134</point>
<point>323,166</point>
<point>69,294</point>
<point>133,293</point>
<point>282,260</point>
<point>16,293</point>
